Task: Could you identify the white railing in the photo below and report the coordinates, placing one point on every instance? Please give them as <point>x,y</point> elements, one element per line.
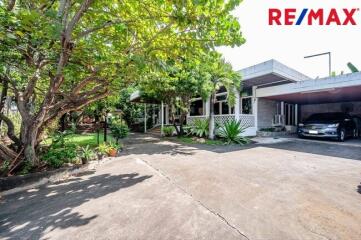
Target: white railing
<point>247,120</point>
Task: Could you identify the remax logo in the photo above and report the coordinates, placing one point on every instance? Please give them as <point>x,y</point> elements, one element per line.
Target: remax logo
<point>292,16</point>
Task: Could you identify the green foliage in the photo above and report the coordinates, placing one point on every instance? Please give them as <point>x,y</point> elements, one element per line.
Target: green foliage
<point>119,129</point>
<point>16,120</point>
<point>231,132</point>
<point>61,56</point>
<point>56,155</point>
<point>168,131</point>
<point>191,140</point>
<point>60,151</point>
<point>352,68</point>
<point>103,148</point>
<point>87,154</point>
<point>200,127</point>
<point>26,168</point>
<point>130,111</point>
<point>114,145</point>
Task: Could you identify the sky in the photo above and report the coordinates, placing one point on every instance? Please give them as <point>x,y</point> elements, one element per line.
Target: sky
<point>289,44</point>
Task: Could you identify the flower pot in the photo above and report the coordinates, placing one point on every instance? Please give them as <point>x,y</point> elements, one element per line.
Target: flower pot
<point>112,152</point>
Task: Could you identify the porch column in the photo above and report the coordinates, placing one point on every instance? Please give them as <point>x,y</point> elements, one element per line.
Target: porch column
<point>283,117</point>
<point>237,105</point>
<point>162,118</point>
<point>255,107</point>
<point>207,107</point>
<point>282,108</point>
<point>145,117</point>
<point>166,114</point>
<point>153,114</point>
<point>296,114</point>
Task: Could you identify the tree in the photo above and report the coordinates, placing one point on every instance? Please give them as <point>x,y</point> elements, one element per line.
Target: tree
<point>176,82</point>
<point>60,56</point>
<point>221,74</point>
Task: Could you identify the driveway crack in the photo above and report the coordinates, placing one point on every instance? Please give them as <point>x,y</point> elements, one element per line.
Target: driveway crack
<point>213,212</point>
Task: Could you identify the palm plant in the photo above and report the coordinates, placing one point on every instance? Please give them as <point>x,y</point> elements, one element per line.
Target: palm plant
<point>86,154</point>
<point>200,128</point>
<point>168,131</point>
<point>231,132</point>
<point>222,75</point>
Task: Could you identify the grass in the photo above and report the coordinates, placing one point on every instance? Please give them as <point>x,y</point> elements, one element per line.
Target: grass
<point>88,139</point>
<point>189,140</point>
<point>85,139</point>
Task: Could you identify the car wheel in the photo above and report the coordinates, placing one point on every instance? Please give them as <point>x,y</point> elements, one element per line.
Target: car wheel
<point>341,135</point>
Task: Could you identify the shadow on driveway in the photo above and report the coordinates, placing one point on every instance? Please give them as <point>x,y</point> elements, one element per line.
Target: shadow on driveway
<point>324,149</point>
<point>176,147</point>
<point>33,212</point>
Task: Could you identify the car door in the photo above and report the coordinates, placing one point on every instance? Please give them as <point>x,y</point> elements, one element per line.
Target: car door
<point>349,125</point>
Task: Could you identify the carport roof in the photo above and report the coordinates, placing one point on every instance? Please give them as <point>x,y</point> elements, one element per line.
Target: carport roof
<point>270,73</point>
<point>341,88</point>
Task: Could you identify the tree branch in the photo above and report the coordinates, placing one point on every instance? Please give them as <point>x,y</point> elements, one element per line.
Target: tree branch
<point>11,129</point>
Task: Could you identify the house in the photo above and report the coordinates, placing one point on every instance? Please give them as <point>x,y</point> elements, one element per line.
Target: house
<point>274,94</point>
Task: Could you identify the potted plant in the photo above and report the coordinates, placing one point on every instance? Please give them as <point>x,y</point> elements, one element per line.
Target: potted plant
<point>86,154</point>
<point>112,149</point>
<point>103,150</point>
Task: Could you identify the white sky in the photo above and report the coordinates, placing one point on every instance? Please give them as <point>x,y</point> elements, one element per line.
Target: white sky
<point>289,44</point>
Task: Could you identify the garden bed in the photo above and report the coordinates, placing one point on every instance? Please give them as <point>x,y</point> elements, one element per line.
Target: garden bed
<point>14,184</point>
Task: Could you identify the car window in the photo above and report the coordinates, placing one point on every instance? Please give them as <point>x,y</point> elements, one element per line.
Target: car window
<point>327,116</point>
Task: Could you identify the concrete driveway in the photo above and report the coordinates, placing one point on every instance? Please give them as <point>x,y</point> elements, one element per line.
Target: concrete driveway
<point>165,190</point>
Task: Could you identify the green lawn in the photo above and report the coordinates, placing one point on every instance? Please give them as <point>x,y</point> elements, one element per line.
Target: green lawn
<point>90,139</point>
<point>84,139</point>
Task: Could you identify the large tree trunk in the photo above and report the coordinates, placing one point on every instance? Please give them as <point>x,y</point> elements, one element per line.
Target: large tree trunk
<point>29,139</point>
<point>4,93</point>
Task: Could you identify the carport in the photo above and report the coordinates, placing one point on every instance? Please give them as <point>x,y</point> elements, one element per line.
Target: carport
<point>301,99</point>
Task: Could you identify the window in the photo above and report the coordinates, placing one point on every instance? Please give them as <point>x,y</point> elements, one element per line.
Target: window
<point>216,109</point>
<point>247,105</point>
<point>247,92</point>
<point>225,108</point>
<point>196,108</point>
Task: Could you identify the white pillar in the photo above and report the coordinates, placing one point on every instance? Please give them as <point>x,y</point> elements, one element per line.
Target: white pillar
<point>153,114</point>
<point>207,107</point>
<point>145,117</point>
<point>255,106</point>
<point>166,114</point>
<point>237,105</point>
<point>296,114</point>
<point>283,118</point>
<point>282,108</point>
<point>162,118</point>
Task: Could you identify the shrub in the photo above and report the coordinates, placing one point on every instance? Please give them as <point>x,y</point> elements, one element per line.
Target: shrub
<point>106,148</point>
<point>103,148</point>
<point>200,128</point>
<point>86,154</point>
<point>168,131</point>
<point>231,132</point>
<point>119,129</point>
<point>57,155</point>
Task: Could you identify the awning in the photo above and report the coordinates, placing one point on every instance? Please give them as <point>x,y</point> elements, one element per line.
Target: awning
<point>343,88</point>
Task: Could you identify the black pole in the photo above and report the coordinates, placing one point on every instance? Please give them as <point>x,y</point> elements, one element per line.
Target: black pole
<point>105,127</point>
